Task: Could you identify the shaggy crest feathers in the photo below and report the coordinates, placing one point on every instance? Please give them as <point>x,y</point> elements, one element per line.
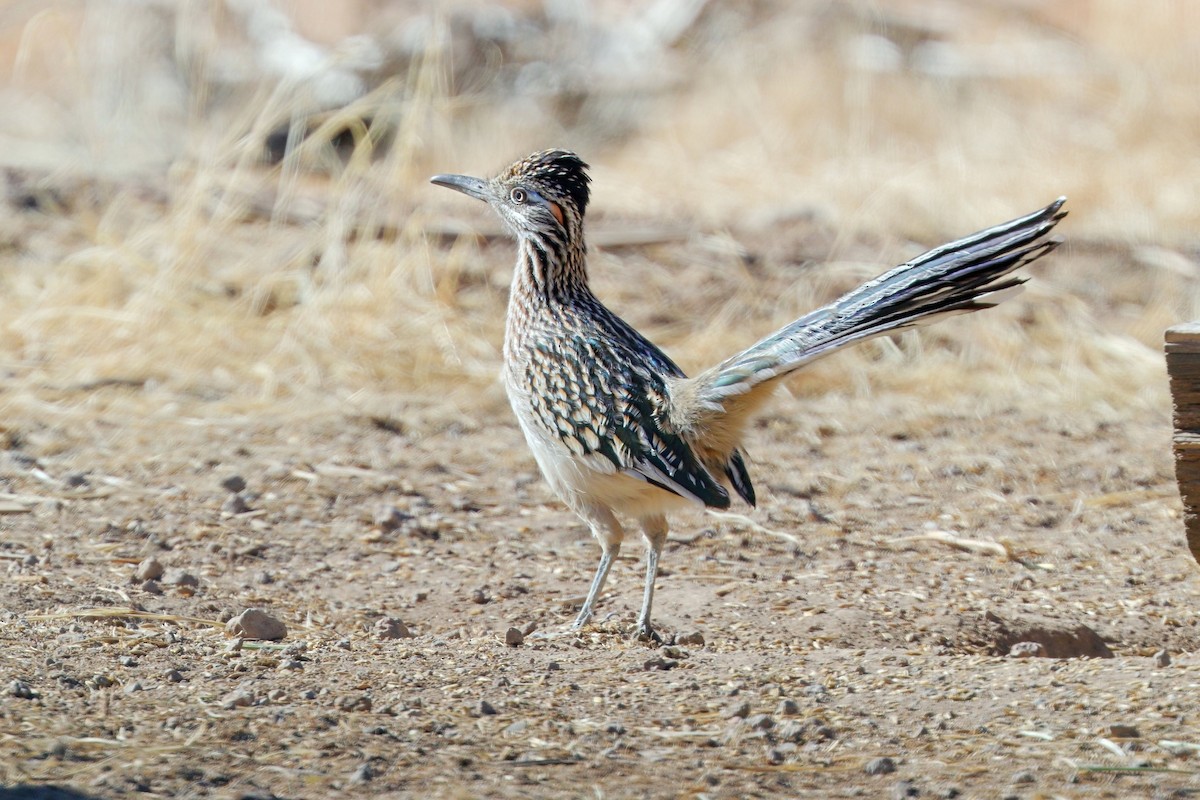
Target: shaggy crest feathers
<point>557,174</point>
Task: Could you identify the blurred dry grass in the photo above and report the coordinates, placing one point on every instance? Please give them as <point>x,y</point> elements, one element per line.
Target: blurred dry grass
<point>804,146</point>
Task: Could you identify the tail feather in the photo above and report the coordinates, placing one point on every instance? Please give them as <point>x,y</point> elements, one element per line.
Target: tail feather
<point>960,277</point>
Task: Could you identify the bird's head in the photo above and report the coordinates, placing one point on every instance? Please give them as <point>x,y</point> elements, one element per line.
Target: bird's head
<point>543,195</point>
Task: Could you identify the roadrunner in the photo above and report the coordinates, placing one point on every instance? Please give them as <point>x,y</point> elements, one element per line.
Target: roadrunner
<point>615,425</point>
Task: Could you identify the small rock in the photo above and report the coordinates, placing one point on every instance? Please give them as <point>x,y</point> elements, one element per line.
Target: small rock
<point>615,728</point>
<point>173,676</point>
<point>254,623</point>
<point>179,577</point>
<point>905,789</point>
<point>128,661</point>
<point>787,708</point>
<point>150,569</point>
<point>343,644</point>
<point>360,702</point>
<point>880,766</point>
<point>1162,659</point>
<point>30,560</point>
<point>21,690</point>
<point>741,710</point>
<point>950,793</point>
<point>553,666</point>
<point>513,637</point>
<point>234,483</point>
<point>480,597</point>
<point>1123,732</point>
<point>487,709</point>
<point>791,731</point>
<point>235,645</point>
<point>775,756</point>
<point>291,663</point>
<point>516,728</point>
<point>238,698</point>
<point>135,686</point>
<point>1024,776</point>
<point>1026,650</point>
<point>363,774</point>
<point>659,663</point>
<point>693,639</point>
<point>151,587</point>
<point>388,518</point>
<point>760,722</point>
<point>1059,638</point>
<point>235,504</point>
<point>392,628</point>
<point>76,480</point>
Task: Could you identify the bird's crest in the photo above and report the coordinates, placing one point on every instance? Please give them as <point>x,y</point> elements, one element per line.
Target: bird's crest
<point>559,174</point>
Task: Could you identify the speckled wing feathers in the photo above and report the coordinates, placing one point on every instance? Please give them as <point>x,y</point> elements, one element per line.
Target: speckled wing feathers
<point>602,400</point>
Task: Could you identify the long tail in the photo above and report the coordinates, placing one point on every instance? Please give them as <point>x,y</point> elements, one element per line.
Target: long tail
<point>963,276</point>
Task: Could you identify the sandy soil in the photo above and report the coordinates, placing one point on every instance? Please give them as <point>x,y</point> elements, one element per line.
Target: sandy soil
<point>822,632</point>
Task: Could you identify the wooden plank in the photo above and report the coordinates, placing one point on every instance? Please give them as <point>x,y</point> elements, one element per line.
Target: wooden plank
<point>1182,348</point>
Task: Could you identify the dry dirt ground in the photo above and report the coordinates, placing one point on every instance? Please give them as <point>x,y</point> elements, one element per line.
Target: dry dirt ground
<point>827,649</point>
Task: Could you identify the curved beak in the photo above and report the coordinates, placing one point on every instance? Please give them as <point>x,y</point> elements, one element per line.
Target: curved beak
<point>473,187</point>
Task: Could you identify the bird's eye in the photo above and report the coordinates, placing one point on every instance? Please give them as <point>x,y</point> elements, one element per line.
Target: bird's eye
<point>518,195</point>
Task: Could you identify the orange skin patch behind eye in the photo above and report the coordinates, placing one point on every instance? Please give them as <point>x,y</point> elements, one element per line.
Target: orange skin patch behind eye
<point>556,211</point>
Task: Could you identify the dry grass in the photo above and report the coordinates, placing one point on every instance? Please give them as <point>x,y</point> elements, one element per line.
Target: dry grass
<point>215,294</point>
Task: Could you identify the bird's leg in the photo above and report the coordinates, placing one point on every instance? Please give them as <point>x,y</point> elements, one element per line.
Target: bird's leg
<point>655,531</point>
<point>609,533</point>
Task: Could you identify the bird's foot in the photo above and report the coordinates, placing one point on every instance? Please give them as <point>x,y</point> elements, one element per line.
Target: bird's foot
<point>642,632</point>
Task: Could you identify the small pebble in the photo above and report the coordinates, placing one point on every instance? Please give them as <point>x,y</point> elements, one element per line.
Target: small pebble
<point>173,676</point>
<point>235,504</point>
<point>1162,659</point>
<point>21,690</point>
<point>254,623</point>
<point>513,637</point>
<point>1024,776</point>
<point>76,480</point>
<point>1123,732</point>
<point>388,518</point>
<point>880,766</point>
<point>787,708</point>
<point>791,731</point>
<point>179,577</point>
<point>234,483</point>
<point>693,639</point>
<point>363,774</point>
<point>1026,650</point>
<point>360,702</point>
<point>760,722</point>
<point>128,661</point>
<point>659,663</point>
<point>741,710</point>
<point>135,686</point>
<point>775,756</point>
<point>553,666</point>
<point>343,644</point>
<point>480,597</point>
<point>291,663</point>
<point>151,587</point>
<point>392,628</point>
<point>615,728</point>
<point>486,708</point>
<point>30,560</point>
<point>905,789</point>
<point>150,569</point>
<point>238,698</point>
